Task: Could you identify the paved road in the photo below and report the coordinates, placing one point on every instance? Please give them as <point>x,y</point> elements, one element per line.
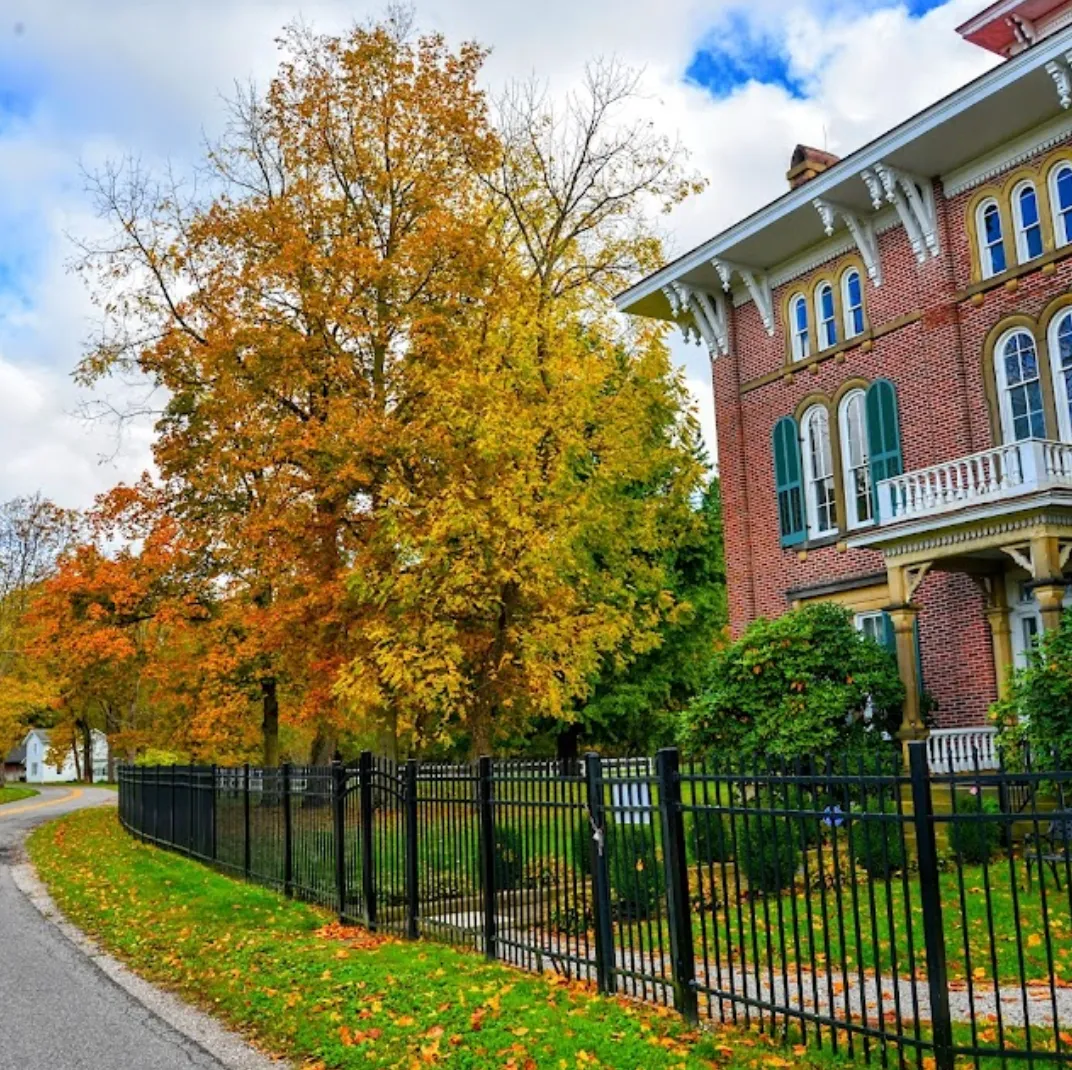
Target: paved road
<point>57,1010</point>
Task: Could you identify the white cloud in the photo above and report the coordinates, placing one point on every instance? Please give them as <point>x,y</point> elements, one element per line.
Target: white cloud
<point>145,76</point>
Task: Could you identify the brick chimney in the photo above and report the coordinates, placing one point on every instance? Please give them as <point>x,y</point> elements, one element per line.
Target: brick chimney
<point>807,163</point>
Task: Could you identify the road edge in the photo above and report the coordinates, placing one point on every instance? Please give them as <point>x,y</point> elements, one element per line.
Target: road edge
<point>202,1030</point>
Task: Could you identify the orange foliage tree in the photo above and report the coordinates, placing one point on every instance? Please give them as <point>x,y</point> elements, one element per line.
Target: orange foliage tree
<point>432,477</point>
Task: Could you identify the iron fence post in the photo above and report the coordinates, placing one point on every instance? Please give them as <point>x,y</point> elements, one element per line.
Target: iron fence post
<point>485,803</point>
<point>247,848</point>
<point>368,872</point>
<point>931,903</point>
<point>412,889</point>
<point>601,908</point>
<point>215,815</point>
<point>682,951</point>
<point>288,846</point>
<point>338,795</point>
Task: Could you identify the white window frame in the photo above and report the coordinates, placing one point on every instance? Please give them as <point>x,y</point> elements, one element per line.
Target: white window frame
<point>877,619</point>
<point>849,308</point>
<point>986,260</point>
<point>852,516</point>
<point>1062,217</point>
<point>1060,391</point>
<point>1023,254</point>
<point>801,336</point>
<point>825,326</point>
<point>814,479</point>
<point>1004,403</point>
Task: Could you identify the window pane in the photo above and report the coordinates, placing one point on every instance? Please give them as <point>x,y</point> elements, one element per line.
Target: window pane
<point>992,221</point>
<point>1028,207</point>
<point>1030,230</point>
<point>1064,204</point>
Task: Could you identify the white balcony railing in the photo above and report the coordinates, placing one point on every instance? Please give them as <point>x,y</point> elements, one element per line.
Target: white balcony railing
<point>956,750</point>
<point>993,475</point>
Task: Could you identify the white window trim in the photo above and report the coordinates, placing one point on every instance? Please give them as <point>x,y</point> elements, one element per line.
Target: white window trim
<point>1022,253</point>
<point>1064,422</point>
<point>810,478</point>
<point>852,520</point>
<point>1055,204</point>
<point>1007,423</point>
<point>846,304</point>
<point>801,341</point>
<point>986,262</point>
<point>822,323</point>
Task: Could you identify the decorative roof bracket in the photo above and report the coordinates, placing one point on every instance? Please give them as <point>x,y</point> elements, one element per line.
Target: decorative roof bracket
<point>1060,70</point>
<point>756,282</point>
<point>708,315</point>
<point>913,197</point>
<point>862,231</point>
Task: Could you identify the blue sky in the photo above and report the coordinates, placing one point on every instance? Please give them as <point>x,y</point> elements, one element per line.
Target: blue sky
<point>739,83</point>
<point>741,48</point>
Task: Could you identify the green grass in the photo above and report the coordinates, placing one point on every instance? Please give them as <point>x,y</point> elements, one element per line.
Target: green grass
<point>12,793</point>
<point>340,998</point>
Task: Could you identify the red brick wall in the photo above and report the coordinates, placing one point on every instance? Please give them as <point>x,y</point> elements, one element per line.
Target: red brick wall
<point>937,366</point>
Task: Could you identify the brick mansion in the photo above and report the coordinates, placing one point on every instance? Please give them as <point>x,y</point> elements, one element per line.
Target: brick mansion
<point>891,346</point>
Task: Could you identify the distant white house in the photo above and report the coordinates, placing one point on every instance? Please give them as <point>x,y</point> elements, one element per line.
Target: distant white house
<point>40,771</point>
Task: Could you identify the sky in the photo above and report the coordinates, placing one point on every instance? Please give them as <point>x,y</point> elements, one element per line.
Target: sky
<point>84,81</point>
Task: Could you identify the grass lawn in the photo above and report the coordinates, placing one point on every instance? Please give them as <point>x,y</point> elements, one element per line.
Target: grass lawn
<point>298,984</point>
<point>13,792</point>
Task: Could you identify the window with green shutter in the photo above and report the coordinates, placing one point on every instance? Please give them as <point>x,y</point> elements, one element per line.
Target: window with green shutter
<point>883,435</point>
<point>787,481</point>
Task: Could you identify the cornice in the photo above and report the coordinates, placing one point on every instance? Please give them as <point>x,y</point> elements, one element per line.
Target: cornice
<point>1010,155</point>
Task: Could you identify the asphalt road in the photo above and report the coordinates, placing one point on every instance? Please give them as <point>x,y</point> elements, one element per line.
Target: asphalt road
<point>57,1010</point>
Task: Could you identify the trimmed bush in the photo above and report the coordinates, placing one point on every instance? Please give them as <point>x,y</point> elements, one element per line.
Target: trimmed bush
<point>876,844</point>
<point>707,838</point>
<point>509,858</point>
<point>768,850</point>
<point>637,876</point>
<point>581,846</point>
<point>974,841</point>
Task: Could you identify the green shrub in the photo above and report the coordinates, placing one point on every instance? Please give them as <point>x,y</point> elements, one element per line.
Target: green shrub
<point>974,841</point>
<point>794,687</point>
<point>807,828</point>
<point>509,858</point>
<point>706,837</point>
<point>636,873</point>
<point>1037,710</point>
<point>876,844</point>
<point>581,846</point>
<point>768,850</point>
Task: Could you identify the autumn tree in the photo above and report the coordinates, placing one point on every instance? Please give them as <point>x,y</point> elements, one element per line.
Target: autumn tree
<point>433,473</point>
<point>33,534</point>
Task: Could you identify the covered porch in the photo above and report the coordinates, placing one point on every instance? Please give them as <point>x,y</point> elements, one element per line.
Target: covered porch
<point>1003,517</point>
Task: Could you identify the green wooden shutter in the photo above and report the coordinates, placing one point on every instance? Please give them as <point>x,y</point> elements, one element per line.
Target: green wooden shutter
<point>787,482</point>
<point>883,435</point>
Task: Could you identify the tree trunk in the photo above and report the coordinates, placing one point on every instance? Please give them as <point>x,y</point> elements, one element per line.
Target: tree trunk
<point>87,751</point>
<point>325,746</point>
<point>270,723</point>
<point>77,757</point>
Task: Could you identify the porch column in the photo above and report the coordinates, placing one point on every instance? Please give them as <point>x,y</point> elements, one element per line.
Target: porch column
<point>1049,584</point>
<point>903,618</point>
<point>997,616</point>
<point>1050,596</point>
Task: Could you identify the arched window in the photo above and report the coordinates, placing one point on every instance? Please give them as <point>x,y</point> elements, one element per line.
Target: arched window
<point>1061,199</point>
<point>818,472</point>
<point>1025,212</point>
<point>1061,364</point>
<point>991,239</point>
<point>798,313</point>
<point>852,301</point>
<point>855,460</point>
<point>1019,388</point>
<point>826,316</point>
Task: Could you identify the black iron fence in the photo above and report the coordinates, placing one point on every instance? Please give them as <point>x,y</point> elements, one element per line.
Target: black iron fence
<point>899,915</point>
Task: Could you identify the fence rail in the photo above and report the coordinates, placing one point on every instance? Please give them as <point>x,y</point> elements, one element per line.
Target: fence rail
<point>907,916</point>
